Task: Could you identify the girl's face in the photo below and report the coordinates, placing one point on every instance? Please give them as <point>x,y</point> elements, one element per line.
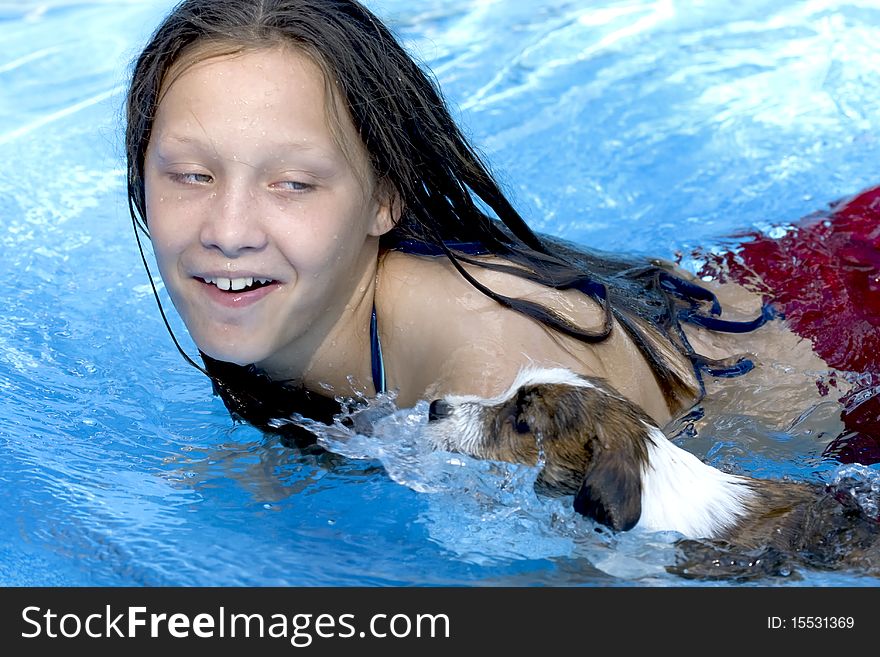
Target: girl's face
<point>263,228</point>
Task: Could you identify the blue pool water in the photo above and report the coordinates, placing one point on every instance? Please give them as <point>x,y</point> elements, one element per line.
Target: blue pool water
<point>645,126</point>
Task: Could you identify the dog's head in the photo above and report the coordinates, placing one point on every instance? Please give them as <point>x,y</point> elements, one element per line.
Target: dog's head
<point>592,442</point>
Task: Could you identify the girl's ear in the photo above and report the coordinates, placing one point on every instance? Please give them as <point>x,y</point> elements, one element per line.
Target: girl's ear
<point>388,208</point>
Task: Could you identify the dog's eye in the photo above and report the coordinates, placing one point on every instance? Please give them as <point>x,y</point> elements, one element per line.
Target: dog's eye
<point>521,425</point>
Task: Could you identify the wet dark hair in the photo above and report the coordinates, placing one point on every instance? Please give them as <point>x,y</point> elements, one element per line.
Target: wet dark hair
<point>447,195</point>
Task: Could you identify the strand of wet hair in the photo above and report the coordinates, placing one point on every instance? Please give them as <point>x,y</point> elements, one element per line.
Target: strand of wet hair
<point>137,228</point>
<point>536,311</point>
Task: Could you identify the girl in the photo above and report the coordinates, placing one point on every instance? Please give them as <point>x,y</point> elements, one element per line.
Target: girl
<point>325,231</point>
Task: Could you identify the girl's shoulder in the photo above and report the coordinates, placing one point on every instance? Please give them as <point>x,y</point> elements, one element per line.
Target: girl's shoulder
<point>444,336</point>
<point>433,285</point>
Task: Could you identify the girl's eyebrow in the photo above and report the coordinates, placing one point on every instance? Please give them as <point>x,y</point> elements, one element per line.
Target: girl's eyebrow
<point>165,139</point>
<point>276,150</point>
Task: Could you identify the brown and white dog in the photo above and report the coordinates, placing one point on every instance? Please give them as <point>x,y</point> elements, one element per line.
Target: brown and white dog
<point>625,473</point>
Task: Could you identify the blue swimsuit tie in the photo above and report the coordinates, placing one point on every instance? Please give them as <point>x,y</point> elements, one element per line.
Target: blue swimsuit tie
<point>376,361</point>
<point>419,248</point>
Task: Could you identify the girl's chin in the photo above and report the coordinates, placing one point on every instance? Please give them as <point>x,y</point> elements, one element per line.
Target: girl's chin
<point>237,355</point>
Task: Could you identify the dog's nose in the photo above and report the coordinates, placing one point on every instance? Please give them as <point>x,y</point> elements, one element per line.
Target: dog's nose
<point>438,409</point>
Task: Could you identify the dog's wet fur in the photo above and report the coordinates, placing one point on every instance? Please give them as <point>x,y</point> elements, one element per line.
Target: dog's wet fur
<point>625,473</point>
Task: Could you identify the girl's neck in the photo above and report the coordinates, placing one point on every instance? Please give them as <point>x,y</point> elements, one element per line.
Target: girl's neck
<point>333,356</point>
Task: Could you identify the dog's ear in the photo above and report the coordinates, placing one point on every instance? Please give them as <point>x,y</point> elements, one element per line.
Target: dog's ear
<point>611,492</point>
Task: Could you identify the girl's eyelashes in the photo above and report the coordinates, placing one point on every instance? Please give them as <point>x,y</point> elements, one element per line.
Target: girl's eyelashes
<point>292,186</point>
<point>191,178</point>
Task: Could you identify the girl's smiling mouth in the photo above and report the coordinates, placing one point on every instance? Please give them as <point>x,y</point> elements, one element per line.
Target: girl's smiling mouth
<point>243,283</point>
<point>238,291</point>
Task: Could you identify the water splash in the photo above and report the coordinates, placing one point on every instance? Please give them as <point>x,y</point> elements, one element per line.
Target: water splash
<point>862,484</point>
<point>484,512</point>
<point>375,428</point>
<point>542,456</point>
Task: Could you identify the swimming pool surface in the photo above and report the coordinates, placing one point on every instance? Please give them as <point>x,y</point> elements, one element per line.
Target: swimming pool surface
<point>645,126</point>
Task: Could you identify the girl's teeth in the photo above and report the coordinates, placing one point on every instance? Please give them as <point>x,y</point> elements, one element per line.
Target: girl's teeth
<point>234,284</point>
<point>241,283</point>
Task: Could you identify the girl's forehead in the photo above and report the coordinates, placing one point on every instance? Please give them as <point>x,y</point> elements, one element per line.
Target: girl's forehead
<point>283,64</point>
<point>256,93</point>
<point>280,91</point>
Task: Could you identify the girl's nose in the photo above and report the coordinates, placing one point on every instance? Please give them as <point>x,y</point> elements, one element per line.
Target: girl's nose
<point>233,224</point>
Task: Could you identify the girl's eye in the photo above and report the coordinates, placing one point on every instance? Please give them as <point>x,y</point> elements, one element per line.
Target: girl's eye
<point>191,178</point>
<point>292,186</point>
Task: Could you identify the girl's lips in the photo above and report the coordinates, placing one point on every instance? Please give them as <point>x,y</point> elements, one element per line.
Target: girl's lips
<point>238,299</point>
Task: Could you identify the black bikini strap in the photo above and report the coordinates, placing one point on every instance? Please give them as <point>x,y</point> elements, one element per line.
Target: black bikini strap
<point>418,247</point>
